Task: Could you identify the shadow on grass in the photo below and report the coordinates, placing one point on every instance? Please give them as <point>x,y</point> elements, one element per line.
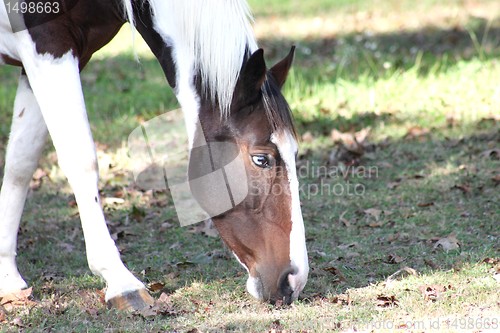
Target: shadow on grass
<point>121,93</point>
<point>430,49</point>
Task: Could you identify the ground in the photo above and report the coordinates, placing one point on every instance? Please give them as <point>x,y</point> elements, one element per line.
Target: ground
<point>398,108</point>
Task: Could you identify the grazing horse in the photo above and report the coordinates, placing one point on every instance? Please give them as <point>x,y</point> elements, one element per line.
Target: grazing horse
<point>210,59</point>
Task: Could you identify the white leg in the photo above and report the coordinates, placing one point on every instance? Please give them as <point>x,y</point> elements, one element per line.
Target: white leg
<point>27,138</point>
<point>56,85</point>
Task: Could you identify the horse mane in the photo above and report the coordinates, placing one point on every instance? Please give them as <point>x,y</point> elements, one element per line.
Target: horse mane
<point>218,33</point>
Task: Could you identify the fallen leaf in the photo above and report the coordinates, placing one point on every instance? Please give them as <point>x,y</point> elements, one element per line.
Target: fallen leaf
<point>17,322</point>
<point>37,179</point>
<point>393,185</point>
<point>113,201</point>
<point>335,271</point>
<point>448,243</point>
<point>166,225</point>
<point>206,227</point>
<point>162,307</point>
<point>465,214</point>
<point>386,301</point>
<point>3,316</point>
<point>416,132</point>
<point>385,164</point>
<point>350,147</point>
<point>431,264</point>
<point>408,270</point>
<point>492,261</point>
<point>425,204</point>
<point>433,292</point>
<point>494,154</point>
<point>393,237</point>
<point>347,246</point>
<point>464,188</point>
<point>155,286</point>
<point>276,326</point>
<point>17,299</point>
<point>373,212</point>
<point>393,259</point>
<point>342,299</point>
<point>352,254</point>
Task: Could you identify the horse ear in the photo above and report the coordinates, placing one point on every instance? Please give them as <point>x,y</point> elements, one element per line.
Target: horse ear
<point>251,79</point>
<point>280,70</point>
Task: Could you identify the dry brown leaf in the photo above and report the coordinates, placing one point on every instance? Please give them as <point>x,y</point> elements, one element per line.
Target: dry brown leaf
<point>3,316</point>
<point>386,301</point>
<point>352,254</point>
<point>393,185</point>
<point>109,201</point>
<point>335,271</point>
<point>166,225</point>
<point>17,322</point>
<point>385,164</point>
<point>394,259</point>
<point>431,264</point>
<point>448,243</point>
<point>162,307</point>
<point>342,299</point>
<point>494,154</point>
<point>206,227</point>
<point>407,270</point>
<point>347,246</point>
<point>350,147</point>
<point>37,179</point>
<point>155,286</point>
<point>393,237</point>
<point>373,212</point>
<point>425,204</point>
<point>464,188</point>
<point>20,298</point>
<point>433,292</point>
<point>416,132</point>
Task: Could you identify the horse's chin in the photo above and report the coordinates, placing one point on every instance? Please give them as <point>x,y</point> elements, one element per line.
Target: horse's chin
<point>254,287</point>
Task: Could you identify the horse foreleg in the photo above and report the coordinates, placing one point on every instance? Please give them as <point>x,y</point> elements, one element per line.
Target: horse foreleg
<point>27,138</point>
<point>56,85</point>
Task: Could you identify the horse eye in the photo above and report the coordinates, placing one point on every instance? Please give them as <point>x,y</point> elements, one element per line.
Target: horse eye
<point>262,161</point>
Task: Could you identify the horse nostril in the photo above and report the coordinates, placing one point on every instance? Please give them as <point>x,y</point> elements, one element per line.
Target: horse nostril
<point>285,290</point>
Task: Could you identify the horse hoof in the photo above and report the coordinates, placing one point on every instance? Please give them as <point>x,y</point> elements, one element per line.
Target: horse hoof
<point>131,301</point>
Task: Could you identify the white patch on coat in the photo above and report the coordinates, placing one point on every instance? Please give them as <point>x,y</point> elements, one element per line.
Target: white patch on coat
<point>287,146</point>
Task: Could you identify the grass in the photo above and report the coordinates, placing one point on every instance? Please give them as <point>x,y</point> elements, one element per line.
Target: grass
<point>423,79</point>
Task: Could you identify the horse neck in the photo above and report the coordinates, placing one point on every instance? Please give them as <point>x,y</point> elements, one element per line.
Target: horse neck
<point>192,39</point>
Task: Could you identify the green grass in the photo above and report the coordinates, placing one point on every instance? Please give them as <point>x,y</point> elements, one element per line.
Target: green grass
<point>393,67</point>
